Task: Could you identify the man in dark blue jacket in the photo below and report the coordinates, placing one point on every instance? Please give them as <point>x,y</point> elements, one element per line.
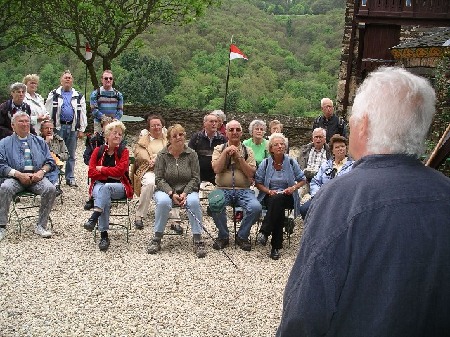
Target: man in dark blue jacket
<point>203,142</point>
<point>375,252</point>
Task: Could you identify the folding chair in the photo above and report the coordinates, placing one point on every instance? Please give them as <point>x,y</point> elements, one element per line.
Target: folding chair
<point>122,209</point>
<point>25,203</point>
<point>288,223</point>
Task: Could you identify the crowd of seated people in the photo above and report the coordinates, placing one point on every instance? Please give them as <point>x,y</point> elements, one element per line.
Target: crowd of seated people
<point>216,154</point>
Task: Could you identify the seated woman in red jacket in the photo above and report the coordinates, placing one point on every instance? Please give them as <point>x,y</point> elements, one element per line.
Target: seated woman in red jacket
<point>108,171</point>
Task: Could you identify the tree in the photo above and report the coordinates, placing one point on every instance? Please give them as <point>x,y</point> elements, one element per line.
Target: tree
<point>148,79</point>
<point>12,15</point>
<point>108,26</point>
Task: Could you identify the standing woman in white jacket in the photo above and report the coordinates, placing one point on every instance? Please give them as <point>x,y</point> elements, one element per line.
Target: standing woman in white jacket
<point>35,101</point>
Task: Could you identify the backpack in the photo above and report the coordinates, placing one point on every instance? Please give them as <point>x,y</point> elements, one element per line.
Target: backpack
<point>116,94</point>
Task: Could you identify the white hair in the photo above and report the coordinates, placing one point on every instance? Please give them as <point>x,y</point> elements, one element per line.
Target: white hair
<point>276,135</point>
<point>322,130</point>
<point>19,114</point>
<point>323,100</point>
<point>254,123</point>
<point>399,107</point>
<point>220,114</point>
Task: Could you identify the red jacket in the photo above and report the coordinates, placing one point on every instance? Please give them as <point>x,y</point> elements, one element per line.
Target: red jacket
<point>115,171</point>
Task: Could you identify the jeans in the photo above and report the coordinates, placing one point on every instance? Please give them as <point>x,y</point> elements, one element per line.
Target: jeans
<point>246,199</point>
<point>164,206</point>
<point>103,193</point>
<point>44,188</point>
<point>70,139</point>
<point>304,208</point>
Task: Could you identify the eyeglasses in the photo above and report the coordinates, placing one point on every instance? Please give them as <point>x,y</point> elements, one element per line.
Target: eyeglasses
<point>108,78</point>
<point>235,129</point>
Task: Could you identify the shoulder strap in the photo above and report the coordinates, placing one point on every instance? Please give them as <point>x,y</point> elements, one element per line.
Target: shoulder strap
<point>100,151</point>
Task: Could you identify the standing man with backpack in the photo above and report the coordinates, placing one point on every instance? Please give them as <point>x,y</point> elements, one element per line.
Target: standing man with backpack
<point>106,101</point>
<point>329,121</point>
<point>67,108</point>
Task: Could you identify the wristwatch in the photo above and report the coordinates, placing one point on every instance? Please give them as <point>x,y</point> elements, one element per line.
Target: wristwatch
<point>43,170</point>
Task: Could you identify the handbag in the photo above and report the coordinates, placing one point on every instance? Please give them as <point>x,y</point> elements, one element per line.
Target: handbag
<point>216,201</point>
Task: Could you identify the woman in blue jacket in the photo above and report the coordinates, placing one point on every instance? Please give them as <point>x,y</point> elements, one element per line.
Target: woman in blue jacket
<point>338,165</point>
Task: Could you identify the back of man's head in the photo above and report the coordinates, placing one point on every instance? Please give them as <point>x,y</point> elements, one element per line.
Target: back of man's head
<point>399,108</point>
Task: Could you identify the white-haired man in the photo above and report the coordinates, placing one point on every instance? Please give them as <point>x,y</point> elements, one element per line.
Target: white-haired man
<point>329,121</point>
<point>374,256</point>
<point>25,164</point>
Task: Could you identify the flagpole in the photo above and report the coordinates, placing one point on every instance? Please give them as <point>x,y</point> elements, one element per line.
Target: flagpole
<point>228,77</point>
<point>85,80</point>
<point>226,87</point>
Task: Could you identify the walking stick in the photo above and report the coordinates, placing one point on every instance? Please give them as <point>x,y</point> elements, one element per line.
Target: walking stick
<point>209,234</point>
<point>234,205</point>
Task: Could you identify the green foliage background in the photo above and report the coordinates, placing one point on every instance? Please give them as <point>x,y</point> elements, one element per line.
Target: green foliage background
<point>293,60</point>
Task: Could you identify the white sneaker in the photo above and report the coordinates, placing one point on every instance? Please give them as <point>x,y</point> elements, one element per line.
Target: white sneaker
<point>41,231</point>
<point>2,233</point>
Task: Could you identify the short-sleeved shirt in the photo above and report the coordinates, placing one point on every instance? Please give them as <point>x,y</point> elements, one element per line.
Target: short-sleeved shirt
<point>224,179</point>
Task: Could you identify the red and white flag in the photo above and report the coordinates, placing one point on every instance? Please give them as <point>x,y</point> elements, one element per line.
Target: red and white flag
<point>88,54</point>
<point>235,53</point>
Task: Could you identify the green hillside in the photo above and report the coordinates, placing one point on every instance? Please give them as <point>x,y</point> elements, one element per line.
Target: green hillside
<point>293,60</point>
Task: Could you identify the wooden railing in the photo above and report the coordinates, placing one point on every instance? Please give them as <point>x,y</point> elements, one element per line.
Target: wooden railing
<point>418,9</point>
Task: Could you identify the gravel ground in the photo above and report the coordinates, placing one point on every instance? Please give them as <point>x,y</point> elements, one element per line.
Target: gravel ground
<point>64,286</point>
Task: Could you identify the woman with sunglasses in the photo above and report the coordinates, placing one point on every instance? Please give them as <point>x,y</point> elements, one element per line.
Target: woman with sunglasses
<point>338,165</point>
<point>177,176</point>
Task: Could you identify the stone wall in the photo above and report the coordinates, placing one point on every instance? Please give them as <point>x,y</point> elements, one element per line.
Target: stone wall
<point>297,130</point>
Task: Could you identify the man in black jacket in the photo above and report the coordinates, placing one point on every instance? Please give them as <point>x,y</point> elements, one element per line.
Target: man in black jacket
<point>203,142</point>
<point>329,121</point>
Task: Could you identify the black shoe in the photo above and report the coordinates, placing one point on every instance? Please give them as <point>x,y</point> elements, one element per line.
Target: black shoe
<point>58,190</point>
<point>103,244</point>
<point>90,224</point>
<point>176,228</point>
<point>261,238</point>
<point>71,183</point>
<point>221,243</point>
<point>275,254</point>
<point>89,204</point>
<point>139,224</point>
<point>244,244</point>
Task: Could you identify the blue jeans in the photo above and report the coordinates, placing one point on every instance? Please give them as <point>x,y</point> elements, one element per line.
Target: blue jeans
<point>70,139</point>
<point>103,193</point>
<point>164,205</point>
<point>246,199</point>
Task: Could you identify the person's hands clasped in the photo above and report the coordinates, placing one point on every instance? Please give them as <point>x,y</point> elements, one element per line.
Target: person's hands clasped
<point>233,151</point>
<point>27,179</point>
<point>179,199</point>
